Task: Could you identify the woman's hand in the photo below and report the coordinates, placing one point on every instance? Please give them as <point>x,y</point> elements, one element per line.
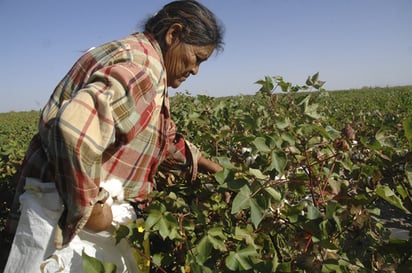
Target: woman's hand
<point>207,166</point>
<point>100,219</point>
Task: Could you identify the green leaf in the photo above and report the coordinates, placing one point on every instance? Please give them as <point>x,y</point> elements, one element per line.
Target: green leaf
<point>237,184</point>
<point>309,81</point>
<point>330,209</point>
<point>222,176</point>
<point>388,195</point>
<point>284,267</point>
<point>331,266</point>
<point>311,110</point>
<point>244,200</point>
<point>155,214</point>
<point>314,81</point>
<point>204,247</point>
<point>402,191</point>
<point>257,173</point>
<point>408,172</point>
<point>226,163</point>
<point>163,227</point>
<point>93,265</point>
<point>274,194</point>
<point>261,146</point>
<point>241,200</point>
<point>407,127</point>
<point>194,116</point>
<point>289,138</point>
<point>256,212</point>
<point>282,123</point>
<point>385,138</point>
<point>121,232</point>
<point>217,238</point>
<point>246,235</point>
<point>284,86</point>
<point>315,77</point>
<point>319,84</point>
<point>266,84</point>
<point>327,132</point>
<point>161,220</point>
<point>240,260</point>
<point>278,162</point>
<point>313,213</point>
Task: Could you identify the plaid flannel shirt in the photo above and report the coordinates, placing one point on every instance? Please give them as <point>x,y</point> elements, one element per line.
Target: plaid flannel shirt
<point>108,118</point>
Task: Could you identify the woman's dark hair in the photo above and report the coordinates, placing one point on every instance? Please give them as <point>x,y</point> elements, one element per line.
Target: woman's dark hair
<point>200,26</point>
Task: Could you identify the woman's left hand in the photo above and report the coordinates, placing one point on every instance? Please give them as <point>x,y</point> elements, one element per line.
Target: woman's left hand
<point>101,218</point>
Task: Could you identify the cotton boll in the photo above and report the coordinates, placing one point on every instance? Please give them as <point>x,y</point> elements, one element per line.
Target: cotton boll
<point>250,160</point>
<point>123,214</point>
<point>283,177</point>
<point>115,188</point>
<point>246,150</point>
<point>109,201</point>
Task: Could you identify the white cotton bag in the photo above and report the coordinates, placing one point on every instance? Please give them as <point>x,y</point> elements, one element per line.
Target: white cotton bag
<point>33,248</point>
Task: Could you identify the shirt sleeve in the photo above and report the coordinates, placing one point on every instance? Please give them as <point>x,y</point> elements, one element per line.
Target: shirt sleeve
<point>182,156</point>
<point>85,126</point>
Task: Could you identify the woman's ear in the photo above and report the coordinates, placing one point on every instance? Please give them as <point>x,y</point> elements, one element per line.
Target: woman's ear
<point>173,34</point>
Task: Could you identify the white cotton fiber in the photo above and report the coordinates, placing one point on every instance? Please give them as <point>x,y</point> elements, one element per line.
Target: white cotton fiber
<point>115,188</point>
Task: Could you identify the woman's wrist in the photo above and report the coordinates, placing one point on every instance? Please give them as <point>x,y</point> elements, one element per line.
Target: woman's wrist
<point>206,165</point>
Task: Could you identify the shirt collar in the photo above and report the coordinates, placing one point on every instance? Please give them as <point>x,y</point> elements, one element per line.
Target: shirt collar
<point>155,44</point>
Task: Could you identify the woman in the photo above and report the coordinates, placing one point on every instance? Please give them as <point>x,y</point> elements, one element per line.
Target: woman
<point>109,120</point>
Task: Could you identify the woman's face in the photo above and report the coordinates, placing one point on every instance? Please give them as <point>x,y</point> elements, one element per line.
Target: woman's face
<point>183,59</point>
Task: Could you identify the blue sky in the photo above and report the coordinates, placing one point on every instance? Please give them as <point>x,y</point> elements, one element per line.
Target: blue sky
<point>351,43</point>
